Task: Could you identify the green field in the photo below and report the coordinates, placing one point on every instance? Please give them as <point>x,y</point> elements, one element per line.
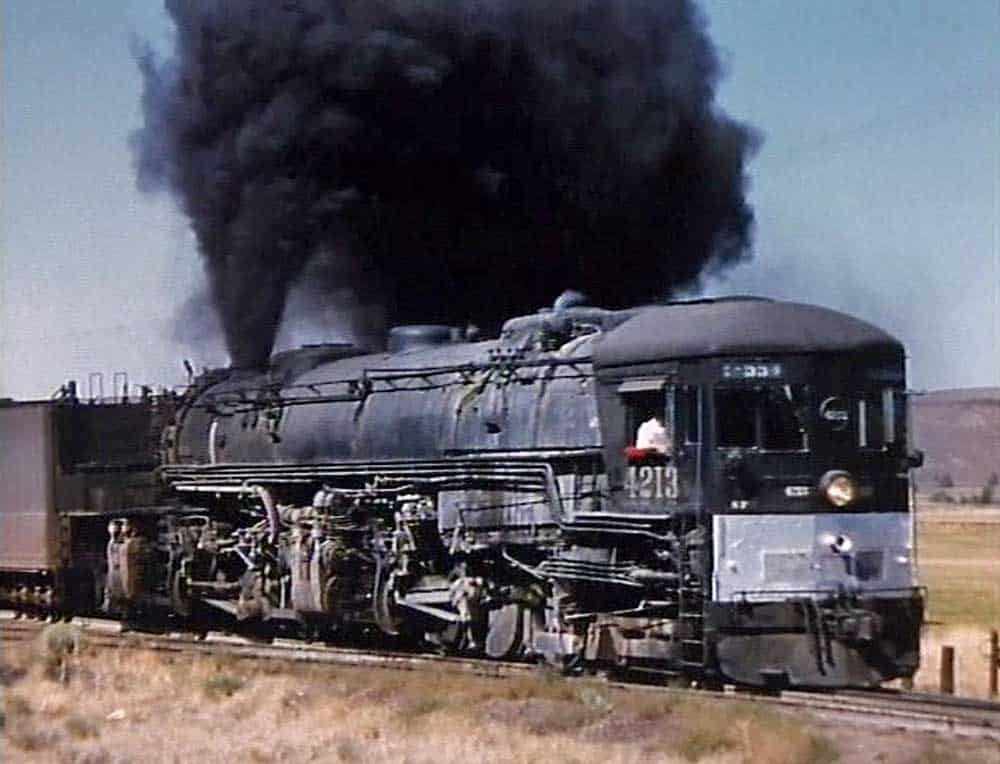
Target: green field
<point>959,559</point>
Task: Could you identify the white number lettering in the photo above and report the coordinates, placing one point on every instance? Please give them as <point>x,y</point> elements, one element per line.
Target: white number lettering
<point>652,482</point>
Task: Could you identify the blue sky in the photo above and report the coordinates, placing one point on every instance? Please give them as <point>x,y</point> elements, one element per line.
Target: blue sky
<point>876,189</point>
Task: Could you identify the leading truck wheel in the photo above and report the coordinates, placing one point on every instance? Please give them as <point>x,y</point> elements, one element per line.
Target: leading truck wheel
<point>505,634</point>
<point>386,615</point>
<point>180,600</point>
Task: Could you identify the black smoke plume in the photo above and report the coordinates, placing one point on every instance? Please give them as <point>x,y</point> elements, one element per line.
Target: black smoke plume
<point>455,159</point>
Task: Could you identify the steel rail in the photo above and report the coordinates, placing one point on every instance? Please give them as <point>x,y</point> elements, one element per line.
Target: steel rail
<point>964,717</point>
<point>920,712</point>
<point>102,632</point>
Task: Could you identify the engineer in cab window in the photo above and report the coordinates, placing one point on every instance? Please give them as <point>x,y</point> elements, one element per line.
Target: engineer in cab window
<point>652,436</point>
<point>653,441</point>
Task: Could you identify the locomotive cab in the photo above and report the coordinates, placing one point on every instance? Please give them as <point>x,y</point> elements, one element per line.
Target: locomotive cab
<point>810,465</point>
<point>786,449</point>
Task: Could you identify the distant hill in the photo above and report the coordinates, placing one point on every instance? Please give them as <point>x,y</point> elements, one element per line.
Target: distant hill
<point>959,433</point>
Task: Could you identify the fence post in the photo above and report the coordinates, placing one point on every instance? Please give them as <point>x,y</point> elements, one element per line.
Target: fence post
<point>947,679</point>
<point>994,661</point>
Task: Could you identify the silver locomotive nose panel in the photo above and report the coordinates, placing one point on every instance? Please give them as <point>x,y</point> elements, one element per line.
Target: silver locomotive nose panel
<point>767,557</point>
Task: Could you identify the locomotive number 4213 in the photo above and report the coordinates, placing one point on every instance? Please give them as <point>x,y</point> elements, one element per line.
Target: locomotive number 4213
<point>651,482</point>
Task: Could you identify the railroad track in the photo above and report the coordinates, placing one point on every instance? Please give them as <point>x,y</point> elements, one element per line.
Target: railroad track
<point>107,633</point>
<point>918,712</point>
<point>921,712</point>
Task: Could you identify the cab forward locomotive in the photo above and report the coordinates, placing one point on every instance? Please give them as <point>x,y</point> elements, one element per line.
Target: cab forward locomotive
<point>712,489</point>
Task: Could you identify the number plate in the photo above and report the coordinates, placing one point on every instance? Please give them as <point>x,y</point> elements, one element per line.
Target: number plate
<point>752,370</point>
<point>652,482</point>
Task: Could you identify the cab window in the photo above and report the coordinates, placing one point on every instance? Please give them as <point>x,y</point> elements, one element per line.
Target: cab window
<point>871,422</point>
<point>768,418</point>
<point>881,419</point>
<point>649,419</point>
<point>649,425</point>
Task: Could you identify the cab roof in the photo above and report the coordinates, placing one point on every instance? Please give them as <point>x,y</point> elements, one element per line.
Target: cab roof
<point>736,326</point>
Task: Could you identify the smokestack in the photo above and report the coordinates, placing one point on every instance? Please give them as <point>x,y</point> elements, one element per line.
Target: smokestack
<point>445,161</point>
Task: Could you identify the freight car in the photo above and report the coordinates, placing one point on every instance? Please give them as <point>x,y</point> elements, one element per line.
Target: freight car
<point>713,489</point>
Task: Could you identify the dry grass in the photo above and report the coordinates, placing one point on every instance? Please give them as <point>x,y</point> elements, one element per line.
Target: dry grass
<point>222,685</point>
<point>81,727</point>
<point>132,705</point>
<point>58,648</point>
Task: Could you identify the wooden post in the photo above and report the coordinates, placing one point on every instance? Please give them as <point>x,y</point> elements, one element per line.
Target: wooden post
<point>994,662</point>
<point>947,670</point>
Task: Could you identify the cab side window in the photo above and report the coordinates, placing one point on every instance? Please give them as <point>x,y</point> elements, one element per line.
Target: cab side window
<point>650,424</point>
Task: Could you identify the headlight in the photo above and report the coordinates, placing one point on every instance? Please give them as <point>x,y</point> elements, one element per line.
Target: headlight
<point>839,488</point>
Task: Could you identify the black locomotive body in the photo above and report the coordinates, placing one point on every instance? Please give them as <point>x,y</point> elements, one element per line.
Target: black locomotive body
<point>500,497</point>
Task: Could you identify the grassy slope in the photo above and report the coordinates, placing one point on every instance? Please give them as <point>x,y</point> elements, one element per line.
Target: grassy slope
<point>130,705</point>
<point>148,707</point>
<point>122,705</point>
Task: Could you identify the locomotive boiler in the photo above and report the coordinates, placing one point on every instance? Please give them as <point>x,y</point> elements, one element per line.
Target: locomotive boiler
<point>713,489</point>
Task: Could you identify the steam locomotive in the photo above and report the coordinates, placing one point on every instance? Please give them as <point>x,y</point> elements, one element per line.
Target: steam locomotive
<point>490,497</point>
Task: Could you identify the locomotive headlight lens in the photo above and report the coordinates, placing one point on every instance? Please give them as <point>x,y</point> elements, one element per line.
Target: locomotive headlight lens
<point>839,488</point>
<point>841,491</point>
